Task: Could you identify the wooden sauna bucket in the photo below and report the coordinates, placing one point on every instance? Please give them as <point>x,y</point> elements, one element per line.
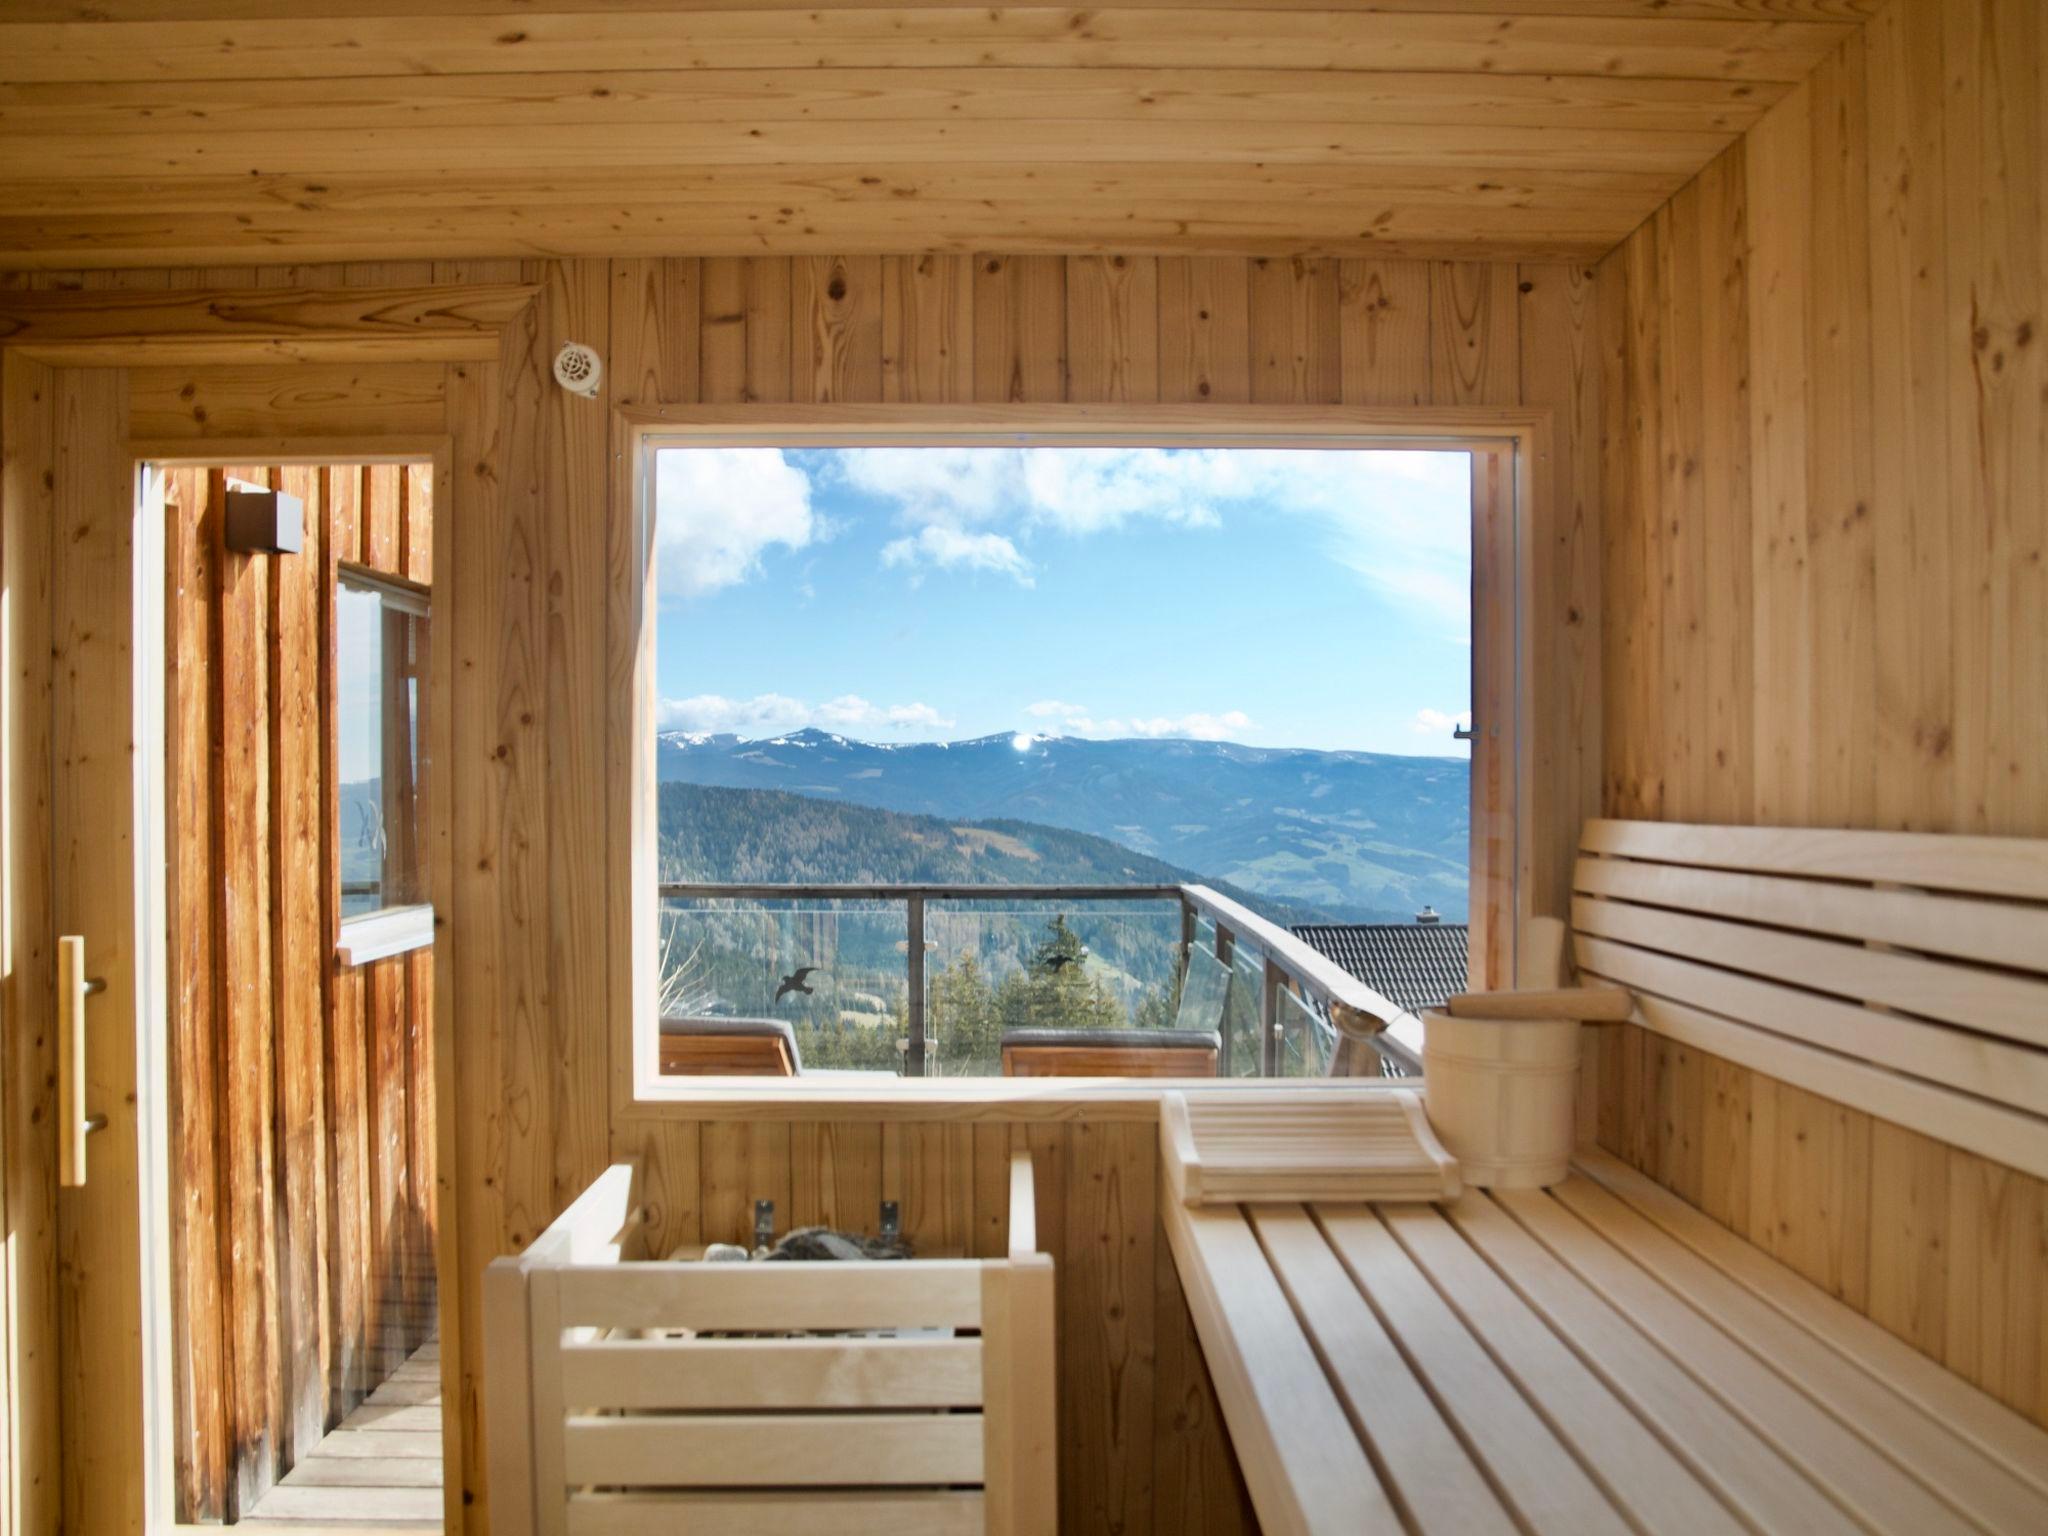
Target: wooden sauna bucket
<point>1501,1095</point>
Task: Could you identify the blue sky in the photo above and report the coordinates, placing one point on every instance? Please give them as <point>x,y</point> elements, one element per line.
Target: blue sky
<point>1279,597</point>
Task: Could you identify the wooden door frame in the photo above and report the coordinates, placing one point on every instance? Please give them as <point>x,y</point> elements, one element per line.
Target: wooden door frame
<point>1506,444</point>
<point>44,337</point>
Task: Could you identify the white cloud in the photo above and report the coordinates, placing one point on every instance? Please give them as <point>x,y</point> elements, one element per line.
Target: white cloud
<point>719,509</point>
<point>1435,722</point>
<point>851,712</point>
<point>948,548</point>
<point>776,714</point>
<point>1400,520</point>
<point>1198,727</point>
<point>1075,720</point>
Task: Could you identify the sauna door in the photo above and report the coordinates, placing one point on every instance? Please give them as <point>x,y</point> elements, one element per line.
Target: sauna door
<point>104,789</point>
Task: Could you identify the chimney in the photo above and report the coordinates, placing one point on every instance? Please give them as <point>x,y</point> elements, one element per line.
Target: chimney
<point>1428,915</point>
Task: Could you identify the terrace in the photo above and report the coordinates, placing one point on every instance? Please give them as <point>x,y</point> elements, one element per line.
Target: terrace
<point>914,977</point>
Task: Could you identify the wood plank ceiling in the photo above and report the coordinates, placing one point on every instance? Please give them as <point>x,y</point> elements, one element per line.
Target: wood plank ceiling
<point>158,132</point>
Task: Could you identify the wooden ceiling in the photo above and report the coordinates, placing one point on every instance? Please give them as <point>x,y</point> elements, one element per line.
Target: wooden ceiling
<point>153,132</point>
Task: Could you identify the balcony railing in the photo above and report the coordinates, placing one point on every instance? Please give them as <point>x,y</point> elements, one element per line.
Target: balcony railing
<point>922,980</point>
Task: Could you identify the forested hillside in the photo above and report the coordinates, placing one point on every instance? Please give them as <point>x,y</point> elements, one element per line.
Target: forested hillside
<point>758,836</point>
<point>992,965</point>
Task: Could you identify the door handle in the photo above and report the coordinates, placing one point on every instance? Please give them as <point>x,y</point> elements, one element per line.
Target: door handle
<point>73,1123</point>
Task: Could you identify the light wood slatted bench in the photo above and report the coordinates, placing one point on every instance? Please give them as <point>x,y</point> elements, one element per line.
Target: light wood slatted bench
<point>1599,1357</point>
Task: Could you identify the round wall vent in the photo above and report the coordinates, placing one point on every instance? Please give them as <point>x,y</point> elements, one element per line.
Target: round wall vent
<point>578,369</point>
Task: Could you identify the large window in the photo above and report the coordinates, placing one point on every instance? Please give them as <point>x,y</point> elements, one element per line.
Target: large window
<point>380,669</point>
<point>978,761</point>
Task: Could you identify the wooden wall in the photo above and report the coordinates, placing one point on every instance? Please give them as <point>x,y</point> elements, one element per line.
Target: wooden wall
<point>302,1145</point>
<point>1826,586</point>
<point>523,614</point>
<point>1141,1446</point>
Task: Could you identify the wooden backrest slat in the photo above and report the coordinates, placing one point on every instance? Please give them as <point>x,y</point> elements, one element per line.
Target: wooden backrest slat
<point>1960,927</point>
<point>1905,958</point>
<point>1993,1001</point>
<point>1991,1069</point>
<point>1985,866</point>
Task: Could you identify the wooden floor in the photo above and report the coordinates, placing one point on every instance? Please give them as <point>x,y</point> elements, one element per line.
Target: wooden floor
<point>1595,1358</point>
<point>380,1468</point>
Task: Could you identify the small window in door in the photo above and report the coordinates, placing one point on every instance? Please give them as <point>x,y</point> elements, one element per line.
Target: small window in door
<point>380,664</point>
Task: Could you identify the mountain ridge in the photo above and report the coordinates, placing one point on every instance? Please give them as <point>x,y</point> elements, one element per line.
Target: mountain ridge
<point>1360,836</point>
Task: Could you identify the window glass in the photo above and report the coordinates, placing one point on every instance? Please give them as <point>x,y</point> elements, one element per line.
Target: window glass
<point>965,753</point>
<point>380,657</point>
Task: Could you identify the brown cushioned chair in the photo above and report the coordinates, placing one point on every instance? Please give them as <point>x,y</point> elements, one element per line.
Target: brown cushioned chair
<point>1110,1052</point>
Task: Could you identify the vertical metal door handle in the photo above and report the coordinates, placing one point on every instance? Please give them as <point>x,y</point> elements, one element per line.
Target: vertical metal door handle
<point>73,1123</point>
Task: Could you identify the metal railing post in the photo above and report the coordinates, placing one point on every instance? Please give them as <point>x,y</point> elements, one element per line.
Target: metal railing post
<point>914,1061</point>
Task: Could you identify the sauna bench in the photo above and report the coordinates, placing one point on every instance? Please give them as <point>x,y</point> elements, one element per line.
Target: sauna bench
<point>1598,1357</point>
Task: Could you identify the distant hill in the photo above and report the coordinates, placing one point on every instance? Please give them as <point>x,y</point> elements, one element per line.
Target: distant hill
<point>772,836</point>
<point>1360,836</point>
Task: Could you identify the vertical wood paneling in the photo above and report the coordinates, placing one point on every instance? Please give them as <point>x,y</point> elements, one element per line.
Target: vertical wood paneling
<point>1383,317</point>
<point>28,1119</point>
<point>1723,777</point>
<point>1294,307</point>
<point>1780,175</point>
<point>653,330</point>
<point>1108,1346</point>
<point>301,1118</point>
<point>1204,330</point>
<point>1475,356</point>
<point>98,1334</point>
<point>381,991</point>
<point>835,1176</point>
<point>836,321</point>
<point>299,940</point>
<point>1020,328</point>
<point>927,330</point>
<point>1841,550</point>
<point>929,1171</point>
<point>1998,1280</point>
<point>481,1143</point>
<point>1909,444</point>
<point>571,469</point>
<point>351,1287</point>
<point>1197,1487</point>
<point>245,1071</point>
<point>200,1395</point>
<point>1908,1228</point>
<point>745,338</point>
<point>1112,328</point>
<point>1561,366</point>
<point>1871,647</point>
<point>668,1154</point>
